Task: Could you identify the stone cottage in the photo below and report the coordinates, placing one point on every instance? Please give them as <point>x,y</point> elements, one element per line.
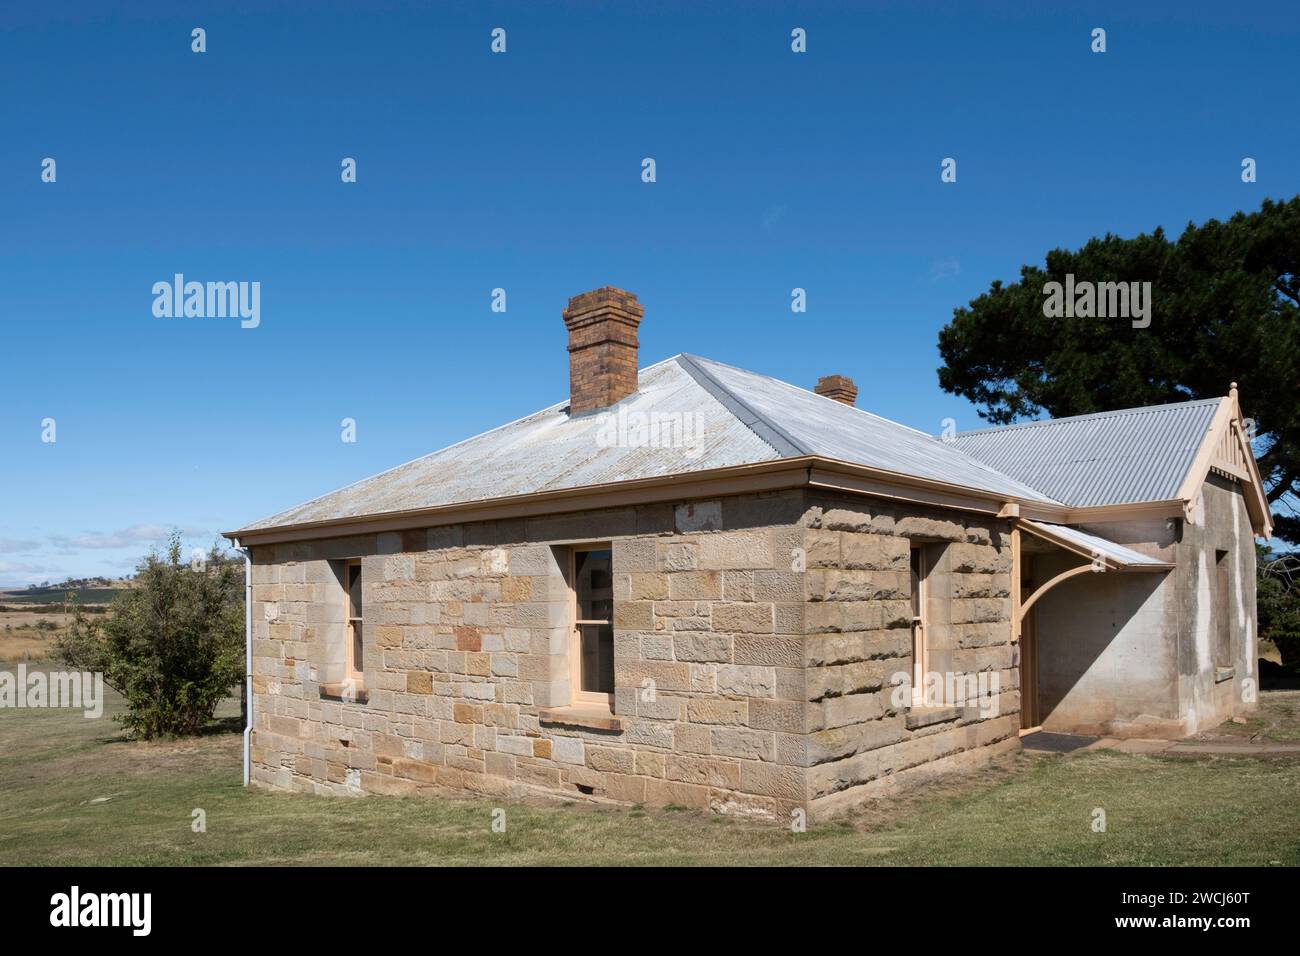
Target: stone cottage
<point>692,584</point>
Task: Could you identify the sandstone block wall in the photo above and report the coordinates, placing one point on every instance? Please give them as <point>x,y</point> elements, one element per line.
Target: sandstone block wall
<point>864,734</point>
<point>754,640</point>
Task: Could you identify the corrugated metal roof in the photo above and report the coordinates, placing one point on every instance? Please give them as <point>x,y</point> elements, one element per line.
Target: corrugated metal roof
<point>1108,458</point>
<point>549,450</point>
<point>1096,544</point>
<point>725,416</point>
<point>815,425</point>
<point>691,414</point>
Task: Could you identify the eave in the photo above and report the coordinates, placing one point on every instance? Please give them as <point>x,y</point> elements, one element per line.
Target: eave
<point>807,471</point>
<point>1227,431</point>
<point>1111,562</point>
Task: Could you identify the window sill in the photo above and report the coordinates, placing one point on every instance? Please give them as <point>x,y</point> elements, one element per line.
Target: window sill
<point>340,691</point>
<point>581,715</point>
<point>918,717</point>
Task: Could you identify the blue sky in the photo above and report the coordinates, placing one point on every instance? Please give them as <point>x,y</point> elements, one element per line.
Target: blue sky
<point>522,171</point>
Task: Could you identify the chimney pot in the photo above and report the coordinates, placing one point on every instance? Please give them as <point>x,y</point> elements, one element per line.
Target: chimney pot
<point>838,387</point>
<point>602,328</point>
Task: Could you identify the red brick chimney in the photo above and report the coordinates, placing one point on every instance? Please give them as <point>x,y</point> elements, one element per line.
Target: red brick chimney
<point>838,387</point>
<point>602,347</point>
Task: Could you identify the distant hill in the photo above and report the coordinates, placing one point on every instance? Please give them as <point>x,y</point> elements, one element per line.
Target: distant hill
<point>57,594</point>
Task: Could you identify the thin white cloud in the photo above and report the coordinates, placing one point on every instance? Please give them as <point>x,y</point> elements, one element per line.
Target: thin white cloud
<point>21,567</point>
<point>75,555</point>
<point>941,269</point>
<point>18,574</point>
<point>126,538</point>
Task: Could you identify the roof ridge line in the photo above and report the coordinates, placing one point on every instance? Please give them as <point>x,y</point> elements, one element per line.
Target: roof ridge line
<point>780,440</point>
<point>698,362</point>
<point>809,391</point>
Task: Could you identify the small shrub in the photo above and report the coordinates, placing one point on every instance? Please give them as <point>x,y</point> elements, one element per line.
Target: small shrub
<point>173,646</point>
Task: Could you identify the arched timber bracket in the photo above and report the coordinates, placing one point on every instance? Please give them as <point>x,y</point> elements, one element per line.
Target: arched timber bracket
<point>1065,575</point>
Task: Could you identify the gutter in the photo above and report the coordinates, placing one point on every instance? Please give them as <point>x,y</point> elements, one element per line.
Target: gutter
<point>804,471</point>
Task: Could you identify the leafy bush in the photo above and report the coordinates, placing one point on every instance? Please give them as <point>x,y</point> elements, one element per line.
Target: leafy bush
<point>173,645</point>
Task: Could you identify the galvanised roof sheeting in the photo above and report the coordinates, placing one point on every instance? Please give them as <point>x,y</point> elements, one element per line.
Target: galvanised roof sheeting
<point>1098,545</point>
<point>727,416</point>
<point>549,450</point>
<point>1109,458</point>
<point>690,414</point>
<point>816,425</point>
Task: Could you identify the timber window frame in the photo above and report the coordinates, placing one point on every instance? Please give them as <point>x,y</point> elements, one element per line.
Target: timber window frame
<point>353,623</point>
<point>919,560</point>
<point>347,684</point>
<point>591,619</point>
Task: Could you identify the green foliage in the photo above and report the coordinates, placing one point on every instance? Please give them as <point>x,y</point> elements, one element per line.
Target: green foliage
<point>172,646</point>
<point>1277,596</point>
<point>1225,308</point>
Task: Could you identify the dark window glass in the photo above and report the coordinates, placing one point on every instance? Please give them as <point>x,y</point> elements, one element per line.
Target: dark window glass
<point>916,582</point>
<point>597,658</point>
<point>354,590</point>
<point>594,585</point>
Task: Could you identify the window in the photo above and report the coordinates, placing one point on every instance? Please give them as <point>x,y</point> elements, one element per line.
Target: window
<point>352,603</point>
<point>1222,625</point>
<point>920,651</point>
<point>341,655</point>
<point>591,652</point>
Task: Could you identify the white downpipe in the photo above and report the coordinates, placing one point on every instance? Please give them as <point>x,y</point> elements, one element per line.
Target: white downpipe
<point>248,658</point>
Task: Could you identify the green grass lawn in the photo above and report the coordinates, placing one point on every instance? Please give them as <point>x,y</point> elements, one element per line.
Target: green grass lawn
<point>73,792</point>
<point>1277,719</point>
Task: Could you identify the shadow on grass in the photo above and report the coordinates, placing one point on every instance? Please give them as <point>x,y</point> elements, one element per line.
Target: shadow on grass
<point>223,725</point>
<point>226,725</point>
